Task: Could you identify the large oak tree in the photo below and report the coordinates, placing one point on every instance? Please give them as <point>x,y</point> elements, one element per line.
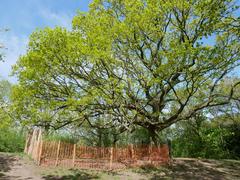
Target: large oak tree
<point>146,63</point>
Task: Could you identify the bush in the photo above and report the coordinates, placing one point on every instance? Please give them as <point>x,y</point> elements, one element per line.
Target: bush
<point>63,137</point>
<point>221,142</point>
<point>11,140</point>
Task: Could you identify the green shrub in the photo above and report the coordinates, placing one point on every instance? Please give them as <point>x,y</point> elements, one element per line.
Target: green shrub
<point>208,142</point>
<point>11,140</point>
<point>60,137</point>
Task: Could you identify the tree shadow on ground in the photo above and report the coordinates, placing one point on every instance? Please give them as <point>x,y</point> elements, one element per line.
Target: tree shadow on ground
<point>191,169</point>
<point>228,167</point>
<point>75,175</point>
<point>6,162</point>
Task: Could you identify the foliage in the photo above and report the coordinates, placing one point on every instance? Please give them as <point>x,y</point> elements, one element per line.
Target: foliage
<point>5,91</point>
<point>232,140</point>
<point>63,137</point>
<point>207,139</point>
<point>145,63</point>
<point>11,140</point>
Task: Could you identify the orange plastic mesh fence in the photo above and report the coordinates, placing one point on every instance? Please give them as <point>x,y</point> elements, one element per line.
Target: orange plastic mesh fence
<point>53,153</point>
<point>102,157</point>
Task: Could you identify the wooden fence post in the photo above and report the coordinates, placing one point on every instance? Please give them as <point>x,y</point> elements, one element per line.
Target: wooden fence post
<point>58,150</point>
<point>111,158</point>
<point>74,155</point>
<point>35,145</point>
<point>27,144</point>
<point>152,147</point>
<point>150,150</point>
<point>38,144</point>
<point>132,152</point>
<point>32,143</point>
<point>40,153</point>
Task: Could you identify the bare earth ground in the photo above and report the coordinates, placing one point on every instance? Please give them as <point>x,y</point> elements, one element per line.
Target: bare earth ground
<point>17,167</point>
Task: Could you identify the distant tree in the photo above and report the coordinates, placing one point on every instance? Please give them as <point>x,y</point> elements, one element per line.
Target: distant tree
<point>228,113</point>
<point>145,63</point>
<point>5,91</point>
<point>1,44</point>
<point>212,134</point>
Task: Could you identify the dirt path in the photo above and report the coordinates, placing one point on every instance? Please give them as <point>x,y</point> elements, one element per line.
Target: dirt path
<point>15,168</point>
<point>180,169</point>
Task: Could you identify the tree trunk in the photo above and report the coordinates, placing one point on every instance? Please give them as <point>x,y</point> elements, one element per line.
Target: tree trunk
<point>154,136</point>
<point>100,139</point>
<point>115,139</point>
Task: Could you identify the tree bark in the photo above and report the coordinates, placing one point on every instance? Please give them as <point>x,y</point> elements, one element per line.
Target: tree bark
<point>154,136</point>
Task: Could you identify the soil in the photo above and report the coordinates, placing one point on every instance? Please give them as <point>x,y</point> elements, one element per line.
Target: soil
<point>18,167</point>
<point>15,167</point>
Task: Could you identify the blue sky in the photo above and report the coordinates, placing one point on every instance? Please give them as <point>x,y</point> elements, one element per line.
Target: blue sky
<point>22,17</point>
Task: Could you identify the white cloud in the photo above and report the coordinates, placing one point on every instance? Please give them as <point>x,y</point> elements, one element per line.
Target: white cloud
<point>15,46</point>
<point>57,19</point>
<point>16,43</point>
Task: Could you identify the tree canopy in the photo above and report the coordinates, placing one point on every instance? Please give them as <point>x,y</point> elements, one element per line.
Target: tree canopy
<point>148,63</point>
